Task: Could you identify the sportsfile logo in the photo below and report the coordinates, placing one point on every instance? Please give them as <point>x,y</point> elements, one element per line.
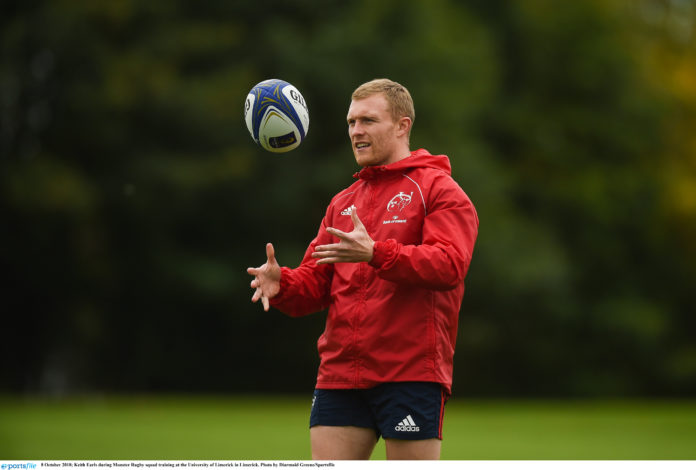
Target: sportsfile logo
<point>407,425</point>
<point>17,466</point>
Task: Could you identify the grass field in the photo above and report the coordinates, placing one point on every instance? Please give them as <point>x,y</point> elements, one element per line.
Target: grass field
<point>275,428</point>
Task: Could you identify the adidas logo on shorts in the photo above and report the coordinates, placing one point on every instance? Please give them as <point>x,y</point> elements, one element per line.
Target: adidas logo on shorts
<point>407,425</point>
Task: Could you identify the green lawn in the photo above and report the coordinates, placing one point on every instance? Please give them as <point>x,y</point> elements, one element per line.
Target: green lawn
<point>275,428</point>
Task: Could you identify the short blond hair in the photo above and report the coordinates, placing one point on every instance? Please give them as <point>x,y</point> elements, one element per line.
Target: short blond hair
<point>398,97</point>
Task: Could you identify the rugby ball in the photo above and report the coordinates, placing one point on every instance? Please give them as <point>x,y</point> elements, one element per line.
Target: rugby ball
<point>276,115</point>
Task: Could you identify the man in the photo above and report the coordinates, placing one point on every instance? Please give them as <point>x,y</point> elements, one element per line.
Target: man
<point>389,263</point>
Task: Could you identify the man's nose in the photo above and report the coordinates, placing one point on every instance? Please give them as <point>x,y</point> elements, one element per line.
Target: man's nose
<point>356,129</point>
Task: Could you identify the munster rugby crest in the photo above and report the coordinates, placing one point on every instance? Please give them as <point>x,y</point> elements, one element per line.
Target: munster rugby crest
<point>399,201</point>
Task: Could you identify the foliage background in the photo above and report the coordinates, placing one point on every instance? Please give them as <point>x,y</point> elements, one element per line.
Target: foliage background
<point>133,198</point>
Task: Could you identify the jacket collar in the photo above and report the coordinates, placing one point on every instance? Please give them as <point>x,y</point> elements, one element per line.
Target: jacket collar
<point>420,158</point>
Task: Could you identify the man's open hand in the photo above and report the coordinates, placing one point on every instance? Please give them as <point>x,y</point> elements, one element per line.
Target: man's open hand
<point>266,278</point>
<point>353,247</point>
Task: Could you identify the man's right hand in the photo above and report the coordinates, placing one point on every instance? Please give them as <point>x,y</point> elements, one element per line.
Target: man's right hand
<point>266,278</point>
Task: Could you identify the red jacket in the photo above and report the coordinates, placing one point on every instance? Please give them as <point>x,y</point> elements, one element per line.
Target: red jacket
<point>393,319</point>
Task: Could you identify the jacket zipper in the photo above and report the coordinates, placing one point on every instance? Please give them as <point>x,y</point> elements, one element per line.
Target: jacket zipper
<point>362,271</point>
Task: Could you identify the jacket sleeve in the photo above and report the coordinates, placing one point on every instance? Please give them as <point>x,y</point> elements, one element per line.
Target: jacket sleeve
<point>307,288</point>
<point>441,261</point>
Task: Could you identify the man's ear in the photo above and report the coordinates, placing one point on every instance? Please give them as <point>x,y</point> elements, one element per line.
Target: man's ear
<point>404,126</point>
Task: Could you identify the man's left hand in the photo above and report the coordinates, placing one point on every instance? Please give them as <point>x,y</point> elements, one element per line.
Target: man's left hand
<point>353,247</point>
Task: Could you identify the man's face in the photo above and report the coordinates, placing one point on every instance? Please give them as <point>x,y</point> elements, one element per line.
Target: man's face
<point>372,131</point>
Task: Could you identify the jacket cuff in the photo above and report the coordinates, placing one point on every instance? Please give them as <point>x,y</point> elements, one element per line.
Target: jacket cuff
<point>284,284</point>
<point>383,253</point>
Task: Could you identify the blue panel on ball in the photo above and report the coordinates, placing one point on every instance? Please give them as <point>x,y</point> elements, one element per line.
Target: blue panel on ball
<point>270,93</point>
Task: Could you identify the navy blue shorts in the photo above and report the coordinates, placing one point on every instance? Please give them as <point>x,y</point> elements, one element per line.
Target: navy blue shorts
<point>399,410</point>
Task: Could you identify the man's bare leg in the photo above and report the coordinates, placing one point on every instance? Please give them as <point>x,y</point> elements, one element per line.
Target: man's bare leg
<point>426,449</point>
<point>342,442</point>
